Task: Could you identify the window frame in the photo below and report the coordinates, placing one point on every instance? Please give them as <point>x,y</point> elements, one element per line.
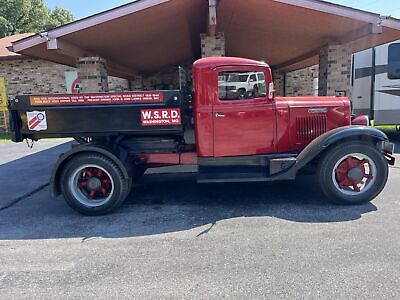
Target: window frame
<point>242,69</point>
<point>393,75</point>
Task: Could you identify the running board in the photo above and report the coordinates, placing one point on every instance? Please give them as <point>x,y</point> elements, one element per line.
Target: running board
<point>277,169</point>
<point>208,174</point>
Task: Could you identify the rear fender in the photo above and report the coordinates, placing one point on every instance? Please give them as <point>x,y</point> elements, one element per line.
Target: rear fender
<point>76,150</point>
<point>323,142</point>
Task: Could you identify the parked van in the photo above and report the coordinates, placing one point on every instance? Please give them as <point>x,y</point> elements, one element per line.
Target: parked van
<point>375,83</point>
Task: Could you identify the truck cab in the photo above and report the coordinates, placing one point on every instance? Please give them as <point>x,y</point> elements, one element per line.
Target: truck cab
<point>228,123</point>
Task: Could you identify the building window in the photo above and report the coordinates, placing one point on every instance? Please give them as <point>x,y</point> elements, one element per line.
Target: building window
<point>239,85</point>
<point>394,61</point>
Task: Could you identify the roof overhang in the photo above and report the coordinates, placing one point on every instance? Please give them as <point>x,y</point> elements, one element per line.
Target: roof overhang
<point>147,36</point>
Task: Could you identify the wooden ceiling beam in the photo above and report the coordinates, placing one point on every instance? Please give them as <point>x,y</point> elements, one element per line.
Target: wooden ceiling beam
<point>212,18</point>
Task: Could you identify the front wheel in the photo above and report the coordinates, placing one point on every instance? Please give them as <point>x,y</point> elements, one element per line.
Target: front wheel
<point>352,173</point>
<point>92,184</point>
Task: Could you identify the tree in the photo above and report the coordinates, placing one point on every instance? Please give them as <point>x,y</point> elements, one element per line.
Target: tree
<point>59,16</point>
<point>21,16</point>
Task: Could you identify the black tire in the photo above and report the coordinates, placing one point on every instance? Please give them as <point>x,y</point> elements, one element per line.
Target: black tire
<point>78,197</point>
<point>241,94</point>
<point>329,181</point>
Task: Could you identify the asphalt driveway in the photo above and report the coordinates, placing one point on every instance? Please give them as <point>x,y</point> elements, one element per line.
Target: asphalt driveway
<point>176,239</point>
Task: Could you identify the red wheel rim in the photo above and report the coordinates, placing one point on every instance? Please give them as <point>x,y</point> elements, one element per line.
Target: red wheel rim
<point>354,173</point>
<point>88,176</point>
<point>91,185</point>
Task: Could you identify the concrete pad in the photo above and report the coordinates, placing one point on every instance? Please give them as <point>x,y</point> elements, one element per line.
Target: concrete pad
<point>23,170</point>
<point>177,239</point>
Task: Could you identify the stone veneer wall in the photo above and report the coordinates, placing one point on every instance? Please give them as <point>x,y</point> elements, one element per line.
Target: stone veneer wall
<point>279,83</point>
<point>301,82</point>
<point>212,45</point>
<point>335,70</point>
<point>92,72</point>
<point>166,80</point>
<point>116,84</point>
<point>24,77</point>
<point>34,76</point>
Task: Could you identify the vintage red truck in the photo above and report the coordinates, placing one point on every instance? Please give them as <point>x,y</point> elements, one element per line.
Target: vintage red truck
<point>241,135</point>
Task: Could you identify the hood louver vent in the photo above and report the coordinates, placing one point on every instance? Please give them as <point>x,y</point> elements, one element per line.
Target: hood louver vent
<point>308,128</point>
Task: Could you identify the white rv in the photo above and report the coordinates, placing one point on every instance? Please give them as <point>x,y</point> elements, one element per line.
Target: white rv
<point>375,83</point>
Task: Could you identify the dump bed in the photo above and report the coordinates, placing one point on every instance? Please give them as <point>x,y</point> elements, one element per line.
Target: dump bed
<point>148,113</point>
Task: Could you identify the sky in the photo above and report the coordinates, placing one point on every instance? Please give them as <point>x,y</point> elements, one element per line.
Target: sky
<point>85,8</point>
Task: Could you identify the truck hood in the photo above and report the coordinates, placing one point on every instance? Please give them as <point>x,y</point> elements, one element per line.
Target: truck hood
<point>309,117</point>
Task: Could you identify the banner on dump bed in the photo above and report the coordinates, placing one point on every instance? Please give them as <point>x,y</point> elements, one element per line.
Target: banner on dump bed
<point>95,99</point>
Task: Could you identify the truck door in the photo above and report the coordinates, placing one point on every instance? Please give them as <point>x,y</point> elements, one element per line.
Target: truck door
<point>387,84</point>
<point>244,117</point>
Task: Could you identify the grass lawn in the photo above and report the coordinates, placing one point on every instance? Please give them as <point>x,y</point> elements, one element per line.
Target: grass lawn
<point>4,137</point>
<point>386,127</point>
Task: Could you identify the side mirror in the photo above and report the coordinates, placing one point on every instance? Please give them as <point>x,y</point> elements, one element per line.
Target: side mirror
<point>271,91</point>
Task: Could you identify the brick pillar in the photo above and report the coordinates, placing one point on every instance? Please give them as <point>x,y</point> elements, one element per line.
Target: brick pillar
<point>92,72</point>
<point>279,83</point>
<point>212,45</point>
<point>334,70</point>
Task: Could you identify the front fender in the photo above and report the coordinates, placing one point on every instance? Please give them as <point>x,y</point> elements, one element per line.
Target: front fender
<point>331,137</point>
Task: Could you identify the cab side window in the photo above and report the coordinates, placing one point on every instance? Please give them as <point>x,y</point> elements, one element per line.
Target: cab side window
<point>240,85</point>
<point>394,61</point>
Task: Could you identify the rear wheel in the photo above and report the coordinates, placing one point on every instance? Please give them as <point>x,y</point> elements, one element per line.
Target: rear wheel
<point>352,173</point>
<point>92,184</point>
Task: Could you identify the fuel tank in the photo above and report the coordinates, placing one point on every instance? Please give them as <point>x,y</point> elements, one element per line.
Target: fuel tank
<point>301,119</point>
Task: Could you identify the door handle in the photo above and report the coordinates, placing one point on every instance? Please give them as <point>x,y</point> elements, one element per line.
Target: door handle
<point>218,115</point>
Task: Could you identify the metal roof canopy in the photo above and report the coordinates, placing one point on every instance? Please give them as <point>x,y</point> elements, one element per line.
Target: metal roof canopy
<point>148,36</point>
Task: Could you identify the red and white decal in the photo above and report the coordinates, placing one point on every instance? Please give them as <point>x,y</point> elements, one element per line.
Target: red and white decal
<point>161,117</point>
<point>36,120</point>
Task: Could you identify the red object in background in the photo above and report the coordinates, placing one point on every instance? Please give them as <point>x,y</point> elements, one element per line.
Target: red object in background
<point>161,117</point>
<point>361,120</point>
